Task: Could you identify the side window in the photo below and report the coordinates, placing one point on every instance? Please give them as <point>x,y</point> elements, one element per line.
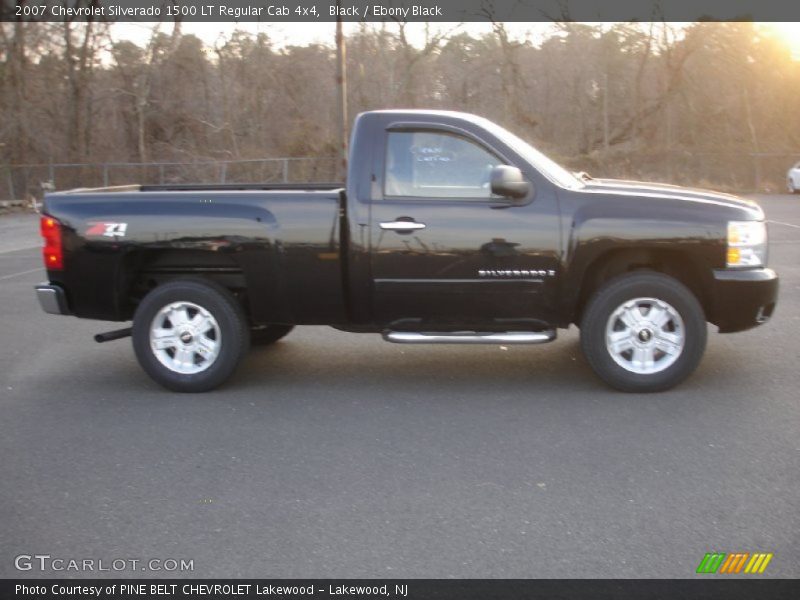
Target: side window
<point>425,164</point>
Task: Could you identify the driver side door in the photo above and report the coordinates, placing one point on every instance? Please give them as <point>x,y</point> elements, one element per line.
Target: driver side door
<point>443,248</point>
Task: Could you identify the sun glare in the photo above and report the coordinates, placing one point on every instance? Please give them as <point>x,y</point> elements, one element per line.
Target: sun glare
<point>789,34</point>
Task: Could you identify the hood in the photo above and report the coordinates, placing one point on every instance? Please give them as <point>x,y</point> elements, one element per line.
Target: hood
<point>672,192</point>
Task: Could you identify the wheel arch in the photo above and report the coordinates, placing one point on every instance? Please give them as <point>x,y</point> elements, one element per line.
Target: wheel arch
<point>144,270</point>
<point>675,263</point>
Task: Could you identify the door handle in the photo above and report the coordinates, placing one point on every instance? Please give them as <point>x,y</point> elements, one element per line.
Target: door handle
<point>402,226</point>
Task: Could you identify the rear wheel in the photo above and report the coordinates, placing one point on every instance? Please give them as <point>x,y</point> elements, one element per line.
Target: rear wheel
<point>189,335</point>
<point>268,334</point>
<point>643,332</point>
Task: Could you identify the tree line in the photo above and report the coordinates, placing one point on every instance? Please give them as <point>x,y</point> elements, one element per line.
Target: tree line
<point>711,103</point>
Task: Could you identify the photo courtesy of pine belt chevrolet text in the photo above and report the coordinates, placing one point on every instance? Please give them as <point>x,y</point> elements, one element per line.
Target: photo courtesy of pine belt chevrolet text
<point>449,229</point>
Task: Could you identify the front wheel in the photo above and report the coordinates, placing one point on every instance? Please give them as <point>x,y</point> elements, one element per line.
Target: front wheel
<point>643,332</point>
<point>189,335</point>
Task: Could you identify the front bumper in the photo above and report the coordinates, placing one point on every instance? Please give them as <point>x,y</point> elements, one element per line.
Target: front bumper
<point>743,298</point>
<point>52,299</point>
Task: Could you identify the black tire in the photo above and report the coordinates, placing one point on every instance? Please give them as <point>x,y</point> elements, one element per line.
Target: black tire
<point>268,334</point>
<point>230,320</point>
<point>642,285</point>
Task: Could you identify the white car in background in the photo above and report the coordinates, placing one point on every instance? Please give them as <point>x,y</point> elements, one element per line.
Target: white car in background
<point>793,179</point>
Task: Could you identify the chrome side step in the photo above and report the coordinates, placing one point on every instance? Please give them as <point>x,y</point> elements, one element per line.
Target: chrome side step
<point>470,337</point>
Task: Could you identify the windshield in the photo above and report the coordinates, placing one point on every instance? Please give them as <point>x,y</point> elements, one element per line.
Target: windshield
<point>546,166</point>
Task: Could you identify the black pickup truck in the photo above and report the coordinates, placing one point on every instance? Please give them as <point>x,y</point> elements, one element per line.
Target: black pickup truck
<point>449,229</point>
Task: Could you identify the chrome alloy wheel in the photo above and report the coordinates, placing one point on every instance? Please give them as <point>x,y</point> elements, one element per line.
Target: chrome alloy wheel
<point>645,335</point>
<point>185,338</point>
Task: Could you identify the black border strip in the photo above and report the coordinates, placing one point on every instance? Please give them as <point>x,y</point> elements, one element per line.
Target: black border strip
<point>710,588</point>
<point>400,10</point>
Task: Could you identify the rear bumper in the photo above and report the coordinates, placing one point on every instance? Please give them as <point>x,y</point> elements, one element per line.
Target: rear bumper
<point>52,299</point>
<point>743,298</point>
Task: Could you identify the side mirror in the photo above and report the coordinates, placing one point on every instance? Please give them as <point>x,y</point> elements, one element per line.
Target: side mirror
<point>508,181</point>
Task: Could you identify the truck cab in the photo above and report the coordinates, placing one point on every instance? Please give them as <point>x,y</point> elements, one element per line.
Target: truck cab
<point>449,243</point>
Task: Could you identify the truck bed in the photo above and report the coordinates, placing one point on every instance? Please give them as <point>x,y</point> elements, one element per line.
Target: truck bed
<point>279,243</point>
<point>224,187</point>
<point>209,187</point>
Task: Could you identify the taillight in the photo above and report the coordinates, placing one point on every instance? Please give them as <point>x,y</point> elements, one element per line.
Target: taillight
<point>52,252</point>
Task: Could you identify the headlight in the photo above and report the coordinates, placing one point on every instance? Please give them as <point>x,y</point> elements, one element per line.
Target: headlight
<point>747,244</point>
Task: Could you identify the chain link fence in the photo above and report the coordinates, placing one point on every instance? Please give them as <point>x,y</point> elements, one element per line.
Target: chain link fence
<point>25,181</point>
<point>728,171</point>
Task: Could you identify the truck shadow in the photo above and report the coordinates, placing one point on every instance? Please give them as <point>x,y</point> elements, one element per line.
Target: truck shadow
<point>556,368</point>
<point>346,367</point>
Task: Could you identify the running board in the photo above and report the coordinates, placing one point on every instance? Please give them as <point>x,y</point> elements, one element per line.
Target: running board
<point>470,337</point>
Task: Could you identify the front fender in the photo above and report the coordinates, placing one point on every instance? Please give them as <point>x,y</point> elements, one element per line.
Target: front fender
<point>595,238</point>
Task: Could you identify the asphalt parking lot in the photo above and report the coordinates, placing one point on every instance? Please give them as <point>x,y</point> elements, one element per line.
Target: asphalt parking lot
<point>339,455</point>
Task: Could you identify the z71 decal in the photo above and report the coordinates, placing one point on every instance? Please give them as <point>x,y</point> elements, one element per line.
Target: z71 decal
<point>112,230</point>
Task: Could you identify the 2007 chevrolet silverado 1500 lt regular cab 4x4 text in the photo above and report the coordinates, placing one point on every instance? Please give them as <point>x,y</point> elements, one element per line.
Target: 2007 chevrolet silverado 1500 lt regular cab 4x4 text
<point>449,229</point>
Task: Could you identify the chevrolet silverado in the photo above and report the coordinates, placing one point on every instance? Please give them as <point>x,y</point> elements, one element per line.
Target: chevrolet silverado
<point>449,229</point>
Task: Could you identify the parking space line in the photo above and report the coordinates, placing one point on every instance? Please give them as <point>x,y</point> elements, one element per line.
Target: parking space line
<point>783,223</point>
<point>21,273</point>
<point>18,248</point>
